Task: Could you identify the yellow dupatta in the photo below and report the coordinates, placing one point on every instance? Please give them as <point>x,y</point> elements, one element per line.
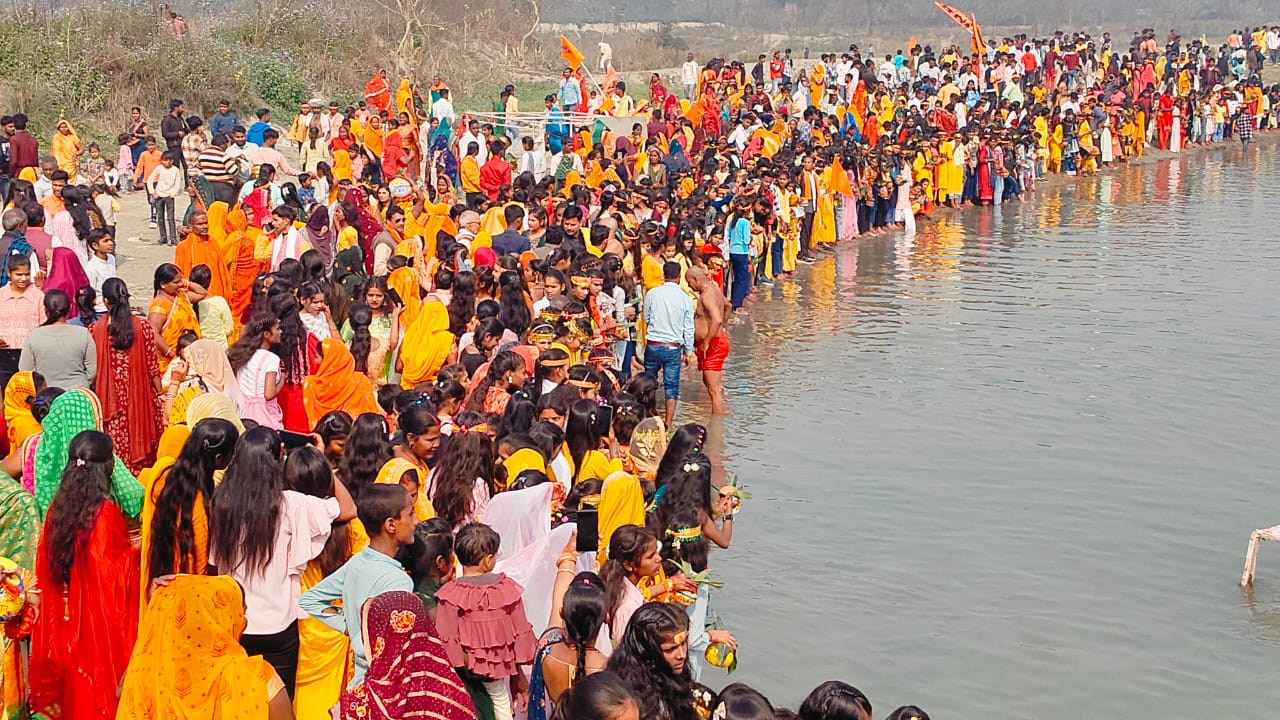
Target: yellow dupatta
<point>426,346</point>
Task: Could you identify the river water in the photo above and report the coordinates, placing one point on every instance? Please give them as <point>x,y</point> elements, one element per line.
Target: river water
<point>1008,468</point>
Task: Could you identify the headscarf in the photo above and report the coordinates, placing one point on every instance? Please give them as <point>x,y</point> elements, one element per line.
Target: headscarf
<point>409,676</point>
<point>348,269</point>
<point>391,473</point>
<point>405,282</point>
<point>207,360</point>
<point>218,232</point>
<point>19,421</point>
<point>621,503</point>
<point>319,234</point>
<point>648,445</point>
<point>188,662</point>
<point>365,222</point>
<point>341,165</point>
<point>242,238</point>
<point>520,517</point>
<point>336,385</point>
<point>521,460</point>
<point>213,405</point>
<point>19,523</point>
<point>65,272</point>
<point>70,414</point>
<point>426,345</point>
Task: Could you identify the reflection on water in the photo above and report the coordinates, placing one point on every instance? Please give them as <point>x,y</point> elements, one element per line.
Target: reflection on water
<point>1008,467</point>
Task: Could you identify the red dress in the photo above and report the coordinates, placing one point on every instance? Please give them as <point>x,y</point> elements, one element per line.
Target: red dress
<point>132,411</point>
<point>77,662</point>
<point>483,625</point>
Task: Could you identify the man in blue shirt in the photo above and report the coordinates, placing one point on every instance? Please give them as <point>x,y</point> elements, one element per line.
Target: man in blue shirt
<point>510,241</point>
<point>668,314</point>
<point>386,512</point>
<point>557,128</point>
<point>739,232</point>
<point>256,130</point>
<point>570,94</point>
<point>224,120</point>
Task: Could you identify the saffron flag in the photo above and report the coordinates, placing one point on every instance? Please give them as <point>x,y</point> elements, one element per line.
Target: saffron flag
<point>571,54</point>
<point>956,15</point>
<point>979,47</point>
<point>838,180</point>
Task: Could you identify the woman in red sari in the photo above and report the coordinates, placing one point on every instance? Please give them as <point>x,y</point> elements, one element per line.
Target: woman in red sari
<point>88,574</point>
<point>128,382</point>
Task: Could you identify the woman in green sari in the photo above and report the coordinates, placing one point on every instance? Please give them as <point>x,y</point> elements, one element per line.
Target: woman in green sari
<point>70,414</point>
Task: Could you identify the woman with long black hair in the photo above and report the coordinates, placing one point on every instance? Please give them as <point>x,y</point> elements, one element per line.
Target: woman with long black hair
<point>567,652</point>
<point>368,449</point>
<point>582,435</point>
<point>175,516</point>
<point>263,536</point>
<point>462,303</point>
<point>128,380</point>
<point>88,571</point>
<point>652,659</point>
<point>462,482</point>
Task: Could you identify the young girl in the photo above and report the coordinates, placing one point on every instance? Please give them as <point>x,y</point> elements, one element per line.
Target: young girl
<point>480,604</point>
<point>505,375</point>
<point>263,536</point>
<point>684,517</point>
<point>633,575</point>
<point>652,658</point>
<point>431,560</point>
<point>315,314</point>
<point>258,371</point>
<point>448,396</point>
<point>568,652</point>
<point>462,482</point>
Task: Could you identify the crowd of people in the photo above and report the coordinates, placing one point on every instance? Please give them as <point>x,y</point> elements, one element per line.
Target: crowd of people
<point>398,439</point>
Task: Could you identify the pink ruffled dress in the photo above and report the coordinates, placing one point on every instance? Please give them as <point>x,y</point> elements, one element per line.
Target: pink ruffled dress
<point>483,625</point>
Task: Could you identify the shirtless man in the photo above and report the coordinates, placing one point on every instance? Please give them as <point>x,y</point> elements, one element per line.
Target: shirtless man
<point>710,340</point>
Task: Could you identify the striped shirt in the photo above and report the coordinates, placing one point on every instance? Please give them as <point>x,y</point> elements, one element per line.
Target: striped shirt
<point>216,166</point>
<point>193,144</point>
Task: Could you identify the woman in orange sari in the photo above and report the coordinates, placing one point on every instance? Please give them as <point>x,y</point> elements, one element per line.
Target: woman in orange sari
<point>88,571</point>
<point>171,313</point>
<point>336,385</point>
<point>18,395</point>
<point>189,662</point>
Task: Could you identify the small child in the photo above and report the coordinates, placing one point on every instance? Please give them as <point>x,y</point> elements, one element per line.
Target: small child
<point>306,189</point>
<point>110,176</point>
<point>315,315</point>
<point>94,164</point>
<point>124,163</point>
<point>104,197</point>
<point>482,621</point>
<point>101,264</point>
<point>386,513</point>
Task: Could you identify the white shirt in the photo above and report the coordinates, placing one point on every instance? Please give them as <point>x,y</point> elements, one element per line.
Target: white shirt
<point>534,161</point>
<point>442,109</point>
<point>689,73</point>
<point>43,187</point>
<point>466,139</point>
<point>98,271</point>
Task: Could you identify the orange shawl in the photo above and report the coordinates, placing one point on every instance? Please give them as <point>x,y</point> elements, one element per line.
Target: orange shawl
<point>241,237</point>
<point>203,251</point>
<point>336,385</point>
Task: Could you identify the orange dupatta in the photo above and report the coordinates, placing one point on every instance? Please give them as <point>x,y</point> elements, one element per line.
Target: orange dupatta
<point>188,662</point>
<point>336,385</point>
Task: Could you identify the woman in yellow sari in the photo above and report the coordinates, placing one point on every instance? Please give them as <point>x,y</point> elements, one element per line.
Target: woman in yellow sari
<point>405,282</point>
<point>66,150</point>
<point>427,346</point>
<point>341,167</point>
<point>171,313</point>
<point>18,395</point>
<point>188,662</point>
<point>219,233</point>
<point>621,503</point>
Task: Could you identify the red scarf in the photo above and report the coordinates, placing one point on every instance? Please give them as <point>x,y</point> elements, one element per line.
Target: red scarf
<point>140,395</point>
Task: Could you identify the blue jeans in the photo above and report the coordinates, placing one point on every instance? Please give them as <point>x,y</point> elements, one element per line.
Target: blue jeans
<point>740,283</point>
<point>664,361</point>
<point>775,255</point>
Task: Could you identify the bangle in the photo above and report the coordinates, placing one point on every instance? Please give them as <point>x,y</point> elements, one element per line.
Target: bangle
<point>567,556</point>
<point>565,570</point>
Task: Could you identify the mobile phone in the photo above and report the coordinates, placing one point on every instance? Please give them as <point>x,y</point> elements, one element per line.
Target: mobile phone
<point>293,440</point>
<point>604,419</point>
<point>588,530</point>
